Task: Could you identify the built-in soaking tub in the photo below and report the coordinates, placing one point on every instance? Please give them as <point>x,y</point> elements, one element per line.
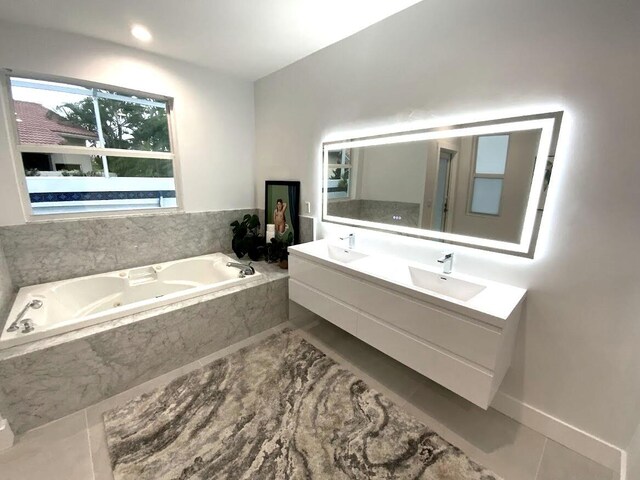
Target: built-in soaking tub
<point>59,307</point>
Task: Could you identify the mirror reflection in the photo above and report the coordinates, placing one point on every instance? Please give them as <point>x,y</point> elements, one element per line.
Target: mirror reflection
<point>477,185</point>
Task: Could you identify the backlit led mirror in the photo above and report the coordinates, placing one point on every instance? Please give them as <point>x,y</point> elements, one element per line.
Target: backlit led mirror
<point>481,184</point>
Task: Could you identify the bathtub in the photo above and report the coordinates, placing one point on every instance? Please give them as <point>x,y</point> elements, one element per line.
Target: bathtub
<point>79,302</point>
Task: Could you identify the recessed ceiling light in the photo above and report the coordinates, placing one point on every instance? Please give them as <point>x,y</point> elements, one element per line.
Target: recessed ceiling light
<point>141,33</point>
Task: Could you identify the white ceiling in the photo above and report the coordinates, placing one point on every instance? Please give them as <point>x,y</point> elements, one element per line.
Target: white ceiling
<point>246,38</point>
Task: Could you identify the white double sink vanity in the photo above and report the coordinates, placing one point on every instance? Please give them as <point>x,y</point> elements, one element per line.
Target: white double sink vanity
<point>454,329</point>
<point>481,185</point>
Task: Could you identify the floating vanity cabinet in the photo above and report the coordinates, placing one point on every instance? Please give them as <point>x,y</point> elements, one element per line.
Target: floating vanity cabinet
<point>465,346</point>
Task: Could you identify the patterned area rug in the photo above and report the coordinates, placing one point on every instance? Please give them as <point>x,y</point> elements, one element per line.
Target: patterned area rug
<point>280,409</point>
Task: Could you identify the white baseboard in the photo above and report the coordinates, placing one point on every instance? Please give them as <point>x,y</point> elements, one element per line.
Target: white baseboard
<point>571,437</point>
<point>6,435</point>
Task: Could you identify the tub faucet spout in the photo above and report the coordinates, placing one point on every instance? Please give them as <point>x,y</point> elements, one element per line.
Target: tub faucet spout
<point>245,269</point>
<point>15,325</point>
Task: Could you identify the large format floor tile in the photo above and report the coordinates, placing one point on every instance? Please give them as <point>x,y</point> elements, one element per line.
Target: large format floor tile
<point>511,449</point>
<point>559,462</point>
<point>57,451</point>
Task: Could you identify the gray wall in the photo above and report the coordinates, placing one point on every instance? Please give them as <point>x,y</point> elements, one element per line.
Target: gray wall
<point>576,357</point>
<point>50,251</point>
<point>392,173</point>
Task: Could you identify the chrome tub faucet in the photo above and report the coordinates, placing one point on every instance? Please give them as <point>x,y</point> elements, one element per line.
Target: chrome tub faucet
<point>26,324</point>
<point>245,269</point>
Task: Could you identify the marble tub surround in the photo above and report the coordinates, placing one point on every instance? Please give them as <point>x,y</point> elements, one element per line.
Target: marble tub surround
<point>307,229</point>
<point>68,305</point>
<point>41,252</point>
<point>279,409</point>
<point>7,289</point>
<point>380,211</point>
<point>50,378</point>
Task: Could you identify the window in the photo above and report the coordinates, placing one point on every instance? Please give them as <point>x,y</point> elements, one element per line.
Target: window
<point>488,174</point>
<point>87,149</point>
<point>339,171</point>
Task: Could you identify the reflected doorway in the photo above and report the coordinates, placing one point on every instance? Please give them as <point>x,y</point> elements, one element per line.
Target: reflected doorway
<point>441,204</point>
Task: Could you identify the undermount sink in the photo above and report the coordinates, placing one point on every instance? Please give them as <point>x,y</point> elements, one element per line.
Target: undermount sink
<point>344,255</point>
<point>444,285</point>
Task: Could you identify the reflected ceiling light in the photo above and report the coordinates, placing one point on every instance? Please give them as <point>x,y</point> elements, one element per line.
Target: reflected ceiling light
<point>141,33</point>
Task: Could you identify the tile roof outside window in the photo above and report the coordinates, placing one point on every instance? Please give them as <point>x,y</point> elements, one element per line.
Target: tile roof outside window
<point>39,125</point>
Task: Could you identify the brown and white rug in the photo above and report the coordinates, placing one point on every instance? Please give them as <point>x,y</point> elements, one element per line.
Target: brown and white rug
<point>280,409</point>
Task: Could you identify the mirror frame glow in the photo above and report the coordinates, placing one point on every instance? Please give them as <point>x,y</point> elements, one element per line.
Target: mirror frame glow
<point>549,123</point>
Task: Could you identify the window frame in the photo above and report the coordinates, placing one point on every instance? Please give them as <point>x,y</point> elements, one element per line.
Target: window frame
<point>473,174</point>
<point>16,149</point>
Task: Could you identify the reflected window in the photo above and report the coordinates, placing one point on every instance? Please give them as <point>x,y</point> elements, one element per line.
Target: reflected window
<point>338,174</point>
<point>488,174</point>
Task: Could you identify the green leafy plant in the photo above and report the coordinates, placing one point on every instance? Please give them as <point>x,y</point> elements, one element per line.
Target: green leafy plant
<point>72,173</point>
<point>277,248</point>
<point>343,176</point>
<point>547,174</point>
<point>247,238</point>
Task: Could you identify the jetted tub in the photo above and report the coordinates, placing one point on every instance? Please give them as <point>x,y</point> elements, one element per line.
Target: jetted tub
<point>79,302</point>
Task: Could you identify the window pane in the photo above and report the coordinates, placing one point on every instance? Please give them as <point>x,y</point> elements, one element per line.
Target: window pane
<point>51,113</point>
<point>140,167</point>
<point>492,154</point>
<point>64,116</point>
<point>139,124</point>
<point>486,195</point>
<point>340,157</point>
<point>76,183</point>
<point>338,182</point>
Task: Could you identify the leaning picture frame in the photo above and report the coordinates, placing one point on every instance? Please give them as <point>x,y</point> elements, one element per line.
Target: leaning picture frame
<point>282,209</point>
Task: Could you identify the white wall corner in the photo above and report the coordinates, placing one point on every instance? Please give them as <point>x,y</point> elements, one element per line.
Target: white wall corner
<point>6,435</point>
<point>632,460</point>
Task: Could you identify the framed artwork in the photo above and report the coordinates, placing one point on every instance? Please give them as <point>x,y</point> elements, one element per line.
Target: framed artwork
<point>282,207</point>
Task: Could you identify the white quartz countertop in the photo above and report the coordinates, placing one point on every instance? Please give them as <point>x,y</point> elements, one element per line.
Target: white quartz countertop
<point>493,304</point>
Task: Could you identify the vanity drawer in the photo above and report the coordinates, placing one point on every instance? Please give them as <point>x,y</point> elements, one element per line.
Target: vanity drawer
<point>322,305</point>
<point>460,377</point>
<point>469,381</point>
<point>477,342</point>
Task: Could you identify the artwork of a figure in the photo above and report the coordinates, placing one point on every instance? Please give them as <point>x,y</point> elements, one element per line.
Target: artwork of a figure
<point>279,216</point>
<point>282,203</point>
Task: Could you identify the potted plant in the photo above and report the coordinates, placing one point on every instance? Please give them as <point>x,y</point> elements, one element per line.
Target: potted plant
<point>277,249</point>
<point>246,237</point>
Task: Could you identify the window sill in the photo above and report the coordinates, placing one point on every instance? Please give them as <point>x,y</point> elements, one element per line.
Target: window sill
<point>52,218</point>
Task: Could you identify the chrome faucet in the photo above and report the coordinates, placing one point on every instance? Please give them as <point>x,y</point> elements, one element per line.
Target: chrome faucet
<point>352,239</point>
<point>447,262</point>
<point>245,268</point>
<point>27,324</point>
